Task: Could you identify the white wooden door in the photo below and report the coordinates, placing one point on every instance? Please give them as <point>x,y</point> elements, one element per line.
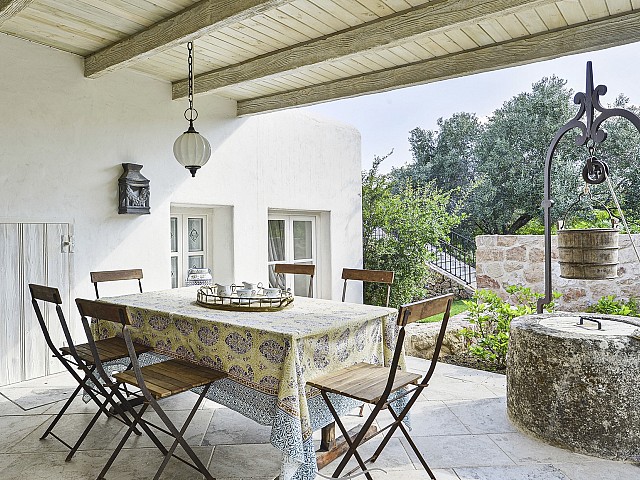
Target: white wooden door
<point>190,242</point>
<point>30,253</point>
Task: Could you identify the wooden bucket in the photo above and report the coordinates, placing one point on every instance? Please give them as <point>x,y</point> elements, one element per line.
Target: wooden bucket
<point>588,254</point>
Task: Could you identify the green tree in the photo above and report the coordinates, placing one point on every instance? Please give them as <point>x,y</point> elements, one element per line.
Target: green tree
<point>399,221</point>
<point>498,167</point>
<point>621,151</point>
<point>445,156</point>
<point>512,153</point>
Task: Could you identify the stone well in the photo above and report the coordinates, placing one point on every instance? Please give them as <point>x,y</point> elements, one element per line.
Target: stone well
<point>575,386</point>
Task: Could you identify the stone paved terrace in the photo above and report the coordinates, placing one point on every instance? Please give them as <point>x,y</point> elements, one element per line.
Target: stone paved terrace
<point>460,425</point>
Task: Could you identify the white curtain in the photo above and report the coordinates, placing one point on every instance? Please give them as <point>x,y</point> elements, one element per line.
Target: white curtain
<point>276,251</point>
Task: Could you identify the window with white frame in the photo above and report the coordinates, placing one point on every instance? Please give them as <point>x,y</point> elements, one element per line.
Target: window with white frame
<point>190,244</point>
<point>292,239</point>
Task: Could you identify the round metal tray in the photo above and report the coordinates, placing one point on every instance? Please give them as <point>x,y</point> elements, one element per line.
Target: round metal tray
<point>208,298</point>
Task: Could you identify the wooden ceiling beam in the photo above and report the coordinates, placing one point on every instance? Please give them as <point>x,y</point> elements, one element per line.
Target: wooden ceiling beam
<point>384,33</point>
<point>595,35</point>
<point>187,25</point>
<point>9,8</point>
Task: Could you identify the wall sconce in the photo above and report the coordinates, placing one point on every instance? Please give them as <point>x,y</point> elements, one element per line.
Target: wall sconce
<point>133,190</point>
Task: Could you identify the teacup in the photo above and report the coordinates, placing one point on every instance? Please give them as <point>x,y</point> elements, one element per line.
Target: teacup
<point>271,292</point>
<point>245,292</point>
<point>224,290</point>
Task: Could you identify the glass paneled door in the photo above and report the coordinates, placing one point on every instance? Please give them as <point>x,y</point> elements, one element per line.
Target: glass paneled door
<point>189,245</point>
<point>292,239</point>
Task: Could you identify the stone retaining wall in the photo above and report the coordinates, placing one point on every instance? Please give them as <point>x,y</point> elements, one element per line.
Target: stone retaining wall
<point>503,260</point>
<point>422,337</point>
<point>438,284</point>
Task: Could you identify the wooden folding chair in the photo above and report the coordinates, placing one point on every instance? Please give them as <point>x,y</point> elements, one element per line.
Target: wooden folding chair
<point>78,358</point>
<point>116,275</point>
<point>156,381</point>
<point>382,386</point>
<point>373,276</point>
<point>297,269</point>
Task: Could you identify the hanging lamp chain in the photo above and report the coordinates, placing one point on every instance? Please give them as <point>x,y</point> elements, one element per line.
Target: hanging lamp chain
<point>192,112</point>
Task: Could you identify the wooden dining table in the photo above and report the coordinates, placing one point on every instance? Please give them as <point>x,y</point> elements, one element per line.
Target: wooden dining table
<point>269,357</point>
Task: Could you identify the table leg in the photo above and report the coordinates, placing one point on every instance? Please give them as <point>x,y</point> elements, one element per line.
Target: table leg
<point>331,448</point>
<point>328,439</point>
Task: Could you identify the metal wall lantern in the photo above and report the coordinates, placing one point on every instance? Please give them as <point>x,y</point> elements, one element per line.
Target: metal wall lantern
<point>133,190</point>
<point>594,172</point>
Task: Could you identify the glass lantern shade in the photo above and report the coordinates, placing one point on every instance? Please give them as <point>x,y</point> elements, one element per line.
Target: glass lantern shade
<point>192,150</point>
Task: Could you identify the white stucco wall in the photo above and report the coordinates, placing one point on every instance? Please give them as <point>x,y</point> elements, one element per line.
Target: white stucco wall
<point>64,137</point>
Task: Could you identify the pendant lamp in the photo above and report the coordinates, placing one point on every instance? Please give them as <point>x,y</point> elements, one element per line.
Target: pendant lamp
<point>191,149</point>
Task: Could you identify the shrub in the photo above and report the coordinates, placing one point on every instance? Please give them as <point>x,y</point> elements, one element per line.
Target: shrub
<point>610,305</point>
<point>491,317</point>
<point>399,222</point>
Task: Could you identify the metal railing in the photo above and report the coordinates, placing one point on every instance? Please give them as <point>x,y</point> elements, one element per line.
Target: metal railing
<point>457,257</point>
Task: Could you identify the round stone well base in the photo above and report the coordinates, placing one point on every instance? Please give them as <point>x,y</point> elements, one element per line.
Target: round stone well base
<point>574,386</point>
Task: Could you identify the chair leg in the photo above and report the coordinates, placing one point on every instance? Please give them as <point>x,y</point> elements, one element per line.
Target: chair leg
<point>102,406</point>
<point>398,421</point>
<point>385,440</point>
<point>123,405</point>
<point>417,452</point>
<point>61,412</point>
<point>82,385</point>
<point>353,444</point>
<point>136,419</point>
<point>179,436</point>
<point>84,434</point>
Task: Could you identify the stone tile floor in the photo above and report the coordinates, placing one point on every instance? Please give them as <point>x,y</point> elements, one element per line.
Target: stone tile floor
<point>460,425</point>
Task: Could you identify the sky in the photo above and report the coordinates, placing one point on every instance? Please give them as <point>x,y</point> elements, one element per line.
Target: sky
<point>385,119</point>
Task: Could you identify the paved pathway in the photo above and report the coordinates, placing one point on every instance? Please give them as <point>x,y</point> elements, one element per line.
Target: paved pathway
<point>460,425</point>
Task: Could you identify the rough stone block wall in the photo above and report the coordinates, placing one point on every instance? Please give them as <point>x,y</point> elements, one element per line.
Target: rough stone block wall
<point>503,260</point>
<point>438,284</point>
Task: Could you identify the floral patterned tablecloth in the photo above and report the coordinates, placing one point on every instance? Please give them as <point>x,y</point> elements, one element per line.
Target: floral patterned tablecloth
<point>269,357</point>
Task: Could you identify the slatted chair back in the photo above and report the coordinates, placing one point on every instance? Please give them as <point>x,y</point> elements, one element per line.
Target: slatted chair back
<point>90,309</point>
<point>373,276</point>
<point>412,312</point>
<point>114,276</point>
<point>51,295</point>
<point>297,269</point>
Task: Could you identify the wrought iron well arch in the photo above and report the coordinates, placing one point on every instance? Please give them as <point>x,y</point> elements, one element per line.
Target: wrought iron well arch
<point>594,172</point>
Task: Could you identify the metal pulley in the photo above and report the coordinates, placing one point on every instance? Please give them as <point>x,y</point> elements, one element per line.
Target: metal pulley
<point>595,171</point>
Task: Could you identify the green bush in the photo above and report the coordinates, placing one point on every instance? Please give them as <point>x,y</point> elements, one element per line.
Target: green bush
<point>399,222</point>
<point>610,305</point>
<point>491,317</point>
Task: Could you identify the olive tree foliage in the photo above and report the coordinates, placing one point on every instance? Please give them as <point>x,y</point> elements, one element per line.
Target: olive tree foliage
<point>446,157</point>
<point>512,149</point>
<point>621,152</point>
<point>496,167</point>
<point>399,222</point>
